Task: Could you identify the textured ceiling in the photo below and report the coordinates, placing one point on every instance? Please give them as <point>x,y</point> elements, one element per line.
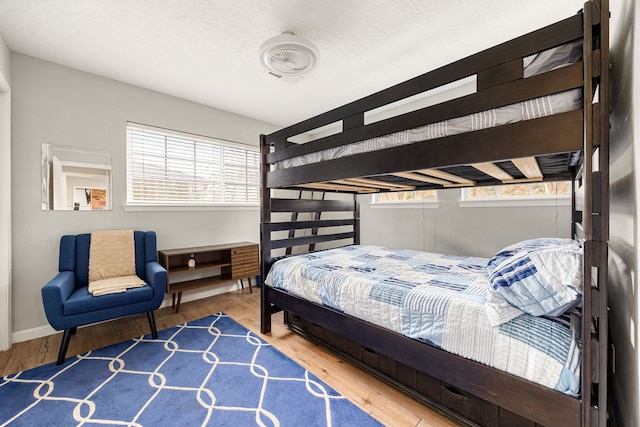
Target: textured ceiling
<point>206,51</point>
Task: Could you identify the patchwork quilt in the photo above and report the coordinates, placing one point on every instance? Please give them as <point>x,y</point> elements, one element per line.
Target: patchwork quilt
<point>438,299</point>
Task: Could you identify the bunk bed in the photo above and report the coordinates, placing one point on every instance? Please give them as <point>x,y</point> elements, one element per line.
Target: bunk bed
<point>546,95</point>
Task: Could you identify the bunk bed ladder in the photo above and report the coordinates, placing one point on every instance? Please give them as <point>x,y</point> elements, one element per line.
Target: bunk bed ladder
<point>292,233</point>
<point>595,214</point>
<point>295,205</point>
<point>314,230</point>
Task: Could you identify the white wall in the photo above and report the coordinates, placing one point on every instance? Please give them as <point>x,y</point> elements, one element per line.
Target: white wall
<point>5,196</point>
<point>5,60</point>
<point>624,251</point>
<point>60,105</point>
<point>451,229</point>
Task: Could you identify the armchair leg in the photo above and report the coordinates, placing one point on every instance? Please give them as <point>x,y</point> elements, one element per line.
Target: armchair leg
<point>65,344</point>
<point>152,324</point>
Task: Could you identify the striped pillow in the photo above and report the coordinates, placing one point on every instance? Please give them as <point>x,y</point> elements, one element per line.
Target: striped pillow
<point>527,246</point>
<point>541,280</point>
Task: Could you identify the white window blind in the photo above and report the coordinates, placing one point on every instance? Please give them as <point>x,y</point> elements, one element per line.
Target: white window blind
<point>172,168</point>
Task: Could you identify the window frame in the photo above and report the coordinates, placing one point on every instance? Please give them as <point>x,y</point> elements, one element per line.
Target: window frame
<point>406,204</point>
<point>152,205</point>
<point>514,201</point>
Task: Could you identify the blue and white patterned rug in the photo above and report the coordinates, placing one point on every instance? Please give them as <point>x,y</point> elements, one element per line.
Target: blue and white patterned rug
<point>210,371</point>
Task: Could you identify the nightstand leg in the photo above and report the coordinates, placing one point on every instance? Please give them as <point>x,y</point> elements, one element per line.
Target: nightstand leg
<point>250,290</point>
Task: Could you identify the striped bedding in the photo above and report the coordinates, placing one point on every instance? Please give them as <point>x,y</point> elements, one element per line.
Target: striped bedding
<point>438,299</point>
<point>527,110</point>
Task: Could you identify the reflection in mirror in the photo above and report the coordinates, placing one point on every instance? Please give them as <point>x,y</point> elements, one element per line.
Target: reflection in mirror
<point>75,178</point>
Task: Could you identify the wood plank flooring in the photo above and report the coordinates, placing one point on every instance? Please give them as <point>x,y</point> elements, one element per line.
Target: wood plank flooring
<point>383,402</point>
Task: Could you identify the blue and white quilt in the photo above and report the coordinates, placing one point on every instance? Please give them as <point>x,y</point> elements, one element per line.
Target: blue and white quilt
<point>438,299</point>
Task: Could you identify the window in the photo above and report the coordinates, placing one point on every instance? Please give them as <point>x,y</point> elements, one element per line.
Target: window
<point>173,168</point>
<point>528,194</point>
<point>407,197</point>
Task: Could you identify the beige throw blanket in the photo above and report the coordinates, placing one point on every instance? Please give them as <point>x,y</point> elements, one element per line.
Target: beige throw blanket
<point>112,266</point>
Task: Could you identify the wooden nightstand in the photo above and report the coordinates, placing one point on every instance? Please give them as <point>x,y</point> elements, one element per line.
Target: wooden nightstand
<point>197,267</point>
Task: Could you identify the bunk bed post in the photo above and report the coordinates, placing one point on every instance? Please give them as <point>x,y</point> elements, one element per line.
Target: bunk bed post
<point>587,181</point>
<point>574,211</point>
<point>356,220</point>
<point>595,214</point>
<point>605,66</point>
<point>265,237</point>
<point>588,119</point>
<point>602,121</point>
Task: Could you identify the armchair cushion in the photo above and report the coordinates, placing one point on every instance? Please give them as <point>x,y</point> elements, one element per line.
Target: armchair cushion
<point>81,301</point>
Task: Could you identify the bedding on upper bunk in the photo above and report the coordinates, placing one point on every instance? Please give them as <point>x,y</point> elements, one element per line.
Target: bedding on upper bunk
<point>531,109</point>
<point>438,299</point>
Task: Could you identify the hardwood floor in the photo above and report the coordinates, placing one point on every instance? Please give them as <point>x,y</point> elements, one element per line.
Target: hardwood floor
<point>383,402</point>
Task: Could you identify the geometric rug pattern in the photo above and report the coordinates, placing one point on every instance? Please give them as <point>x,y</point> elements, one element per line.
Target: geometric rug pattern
<point>208,372</point>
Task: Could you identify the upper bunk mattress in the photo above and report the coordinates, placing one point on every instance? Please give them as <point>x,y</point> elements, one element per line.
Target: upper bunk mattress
<point>438,299</point>
<point>531,109</point>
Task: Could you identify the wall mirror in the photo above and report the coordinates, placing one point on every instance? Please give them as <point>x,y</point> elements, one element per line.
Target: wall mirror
<point>75,178</point>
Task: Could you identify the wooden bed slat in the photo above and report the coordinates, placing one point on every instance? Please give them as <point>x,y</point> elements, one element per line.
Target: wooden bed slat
<point>419,177</point>
<point>493,170</point>
<point>447,176</point>
<point>529,167</point>
<point>522,180</point>
<point>374,183</point>
<point>500,174</point>
<point>338,187</point>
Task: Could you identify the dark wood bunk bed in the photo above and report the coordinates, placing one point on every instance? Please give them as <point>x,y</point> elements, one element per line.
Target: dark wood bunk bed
<point>571,145</point>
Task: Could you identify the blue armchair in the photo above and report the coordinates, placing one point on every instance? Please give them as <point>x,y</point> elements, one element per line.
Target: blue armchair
<point>68,303</point>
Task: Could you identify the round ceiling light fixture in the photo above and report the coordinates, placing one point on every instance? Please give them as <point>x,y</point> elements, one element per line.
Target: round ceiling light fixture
<point>288,55</point>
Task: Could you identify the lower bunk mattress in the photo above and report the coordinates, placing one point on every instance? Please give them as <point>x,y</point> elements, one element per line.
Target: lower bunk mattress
<point>440,300</point>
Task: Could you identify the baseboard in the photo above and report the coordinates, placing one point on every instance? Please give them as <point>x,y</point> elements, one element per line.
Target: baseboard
<point>33,333</point>
<point>196,294</point>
